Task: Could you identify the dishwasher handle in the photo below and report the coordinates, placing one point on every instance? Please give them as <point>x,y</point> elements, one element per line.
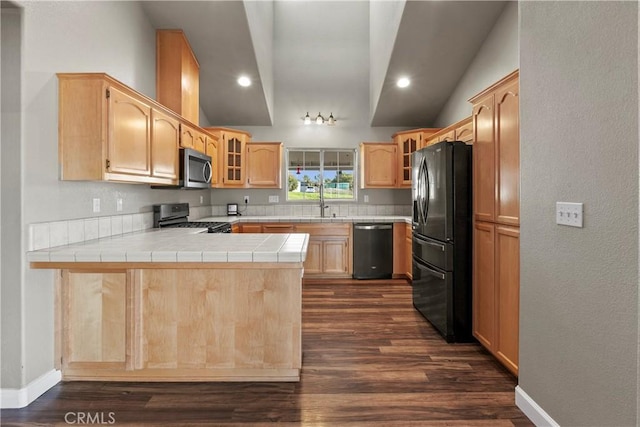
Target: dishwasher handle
<point>373,227</point>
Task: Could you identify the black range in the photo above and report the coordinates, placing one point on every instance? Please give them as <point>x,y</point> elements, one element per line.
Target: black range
<point>175,215</point>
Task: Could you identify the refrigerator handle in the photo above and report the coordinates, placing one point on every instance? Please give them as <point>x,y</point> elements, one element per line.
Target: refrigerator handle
<point>424,183</point>
<point>428,269</point>
<point>426,242</point>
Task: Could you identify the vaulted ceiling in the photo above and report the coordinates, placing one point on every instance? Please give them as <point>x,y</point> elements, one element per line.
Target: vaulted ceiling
<point>328,56</point>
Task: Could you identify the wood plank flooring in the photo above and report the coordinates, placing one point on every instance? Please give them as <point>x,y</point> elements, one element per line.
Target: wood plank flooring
<point>369,359</point>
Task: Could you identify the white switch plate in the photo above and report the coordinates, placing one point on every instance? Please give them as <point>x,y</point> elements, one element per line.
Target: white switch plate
<point>201,199</point>
<point>274,199</point>
<point>96,205</point>
<point>119,205</point>
<point>366,198</point>
<point>569,214</point>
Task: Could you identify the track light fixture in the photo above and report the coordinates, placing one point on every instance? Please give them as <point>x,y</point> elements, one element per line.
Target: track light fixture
<point>319,120</point>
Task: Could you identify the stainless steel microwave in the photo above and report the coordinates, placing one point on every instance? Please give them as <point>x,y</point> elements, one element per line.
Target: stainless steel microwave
<point>195,171</point>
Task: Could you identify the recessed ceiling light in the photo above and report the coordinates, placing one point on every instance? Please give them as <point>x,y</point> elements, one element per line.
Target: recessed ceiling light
<point>403,82</point>
<point>244,81</point>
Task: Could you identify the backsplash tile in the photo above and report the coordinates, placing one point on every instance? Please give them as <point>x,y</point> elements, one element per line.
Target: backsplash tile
<point>59,233</point>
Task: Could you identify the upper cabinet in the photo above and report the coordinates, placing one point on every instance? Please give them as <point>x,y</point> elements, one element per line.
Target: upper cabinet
<point>459,131</point>
<point>232,156</point>
<point>409,141</point>
<point>264,164</point>
<point>177,74</point>
<point>496,152</point>
<point>379,165</point>
<point>109,132</point>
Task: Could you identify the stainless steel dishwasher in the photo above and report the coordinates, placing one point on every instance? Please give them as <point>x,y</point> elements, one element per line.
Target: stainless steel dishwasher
<point>372,251</point>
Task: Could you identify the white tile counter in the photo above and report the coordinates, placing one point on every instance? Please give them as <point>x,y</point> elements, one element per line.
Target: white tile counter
<point>351,219</point>
<point>181,245</point>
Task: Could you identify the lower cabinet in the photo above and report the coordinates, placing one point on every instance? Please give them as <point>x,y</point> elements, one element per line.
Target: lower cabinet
<point>408,258</point>
<point>329,250</point>
<point>496,290</point>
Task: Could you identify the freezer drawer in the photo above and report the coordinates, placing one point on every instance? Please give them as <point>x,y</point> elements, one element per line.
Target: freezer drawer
<point>442,301</point>
<point>433,252</point>
<point>372,251</point>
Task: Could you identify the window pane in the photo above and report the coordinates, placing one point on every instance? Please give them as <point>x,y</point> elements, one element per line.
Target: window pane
<point>306,170</point>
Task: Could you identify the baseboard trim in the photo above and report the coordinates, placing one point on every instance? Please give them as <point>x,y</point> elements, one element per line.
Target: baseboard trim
<point>532,410</point>
<point>19,398</point>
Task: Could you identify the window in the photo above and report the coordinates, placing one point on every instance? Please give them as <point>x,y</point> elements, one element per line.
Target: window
<point>310,171</point>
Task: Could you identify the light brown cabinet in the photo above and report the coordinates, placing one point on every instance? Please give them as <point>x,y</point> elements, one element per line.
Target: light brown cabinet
<point>329,249</point>
<point>109,132</point>
<point>379,165</point>
<point>232,156</point>
<point>408,242</point>
<point>177,74</point>
<point>165,134</point>
<point>464,130</point>
<point>496,259</point>
<point>264,164</point>
<point>194,138</point>
<point>459,131</point>
<point>407,142</point>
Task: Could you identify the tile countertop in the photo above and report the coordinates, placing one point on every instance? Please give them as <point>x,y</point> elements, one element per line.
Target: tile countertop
<point>181,245</point>
<point>363,218</point>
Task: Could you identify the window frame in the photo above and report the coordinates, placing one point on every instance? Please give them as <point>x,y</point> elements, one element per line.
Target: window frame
<point>354,151</point>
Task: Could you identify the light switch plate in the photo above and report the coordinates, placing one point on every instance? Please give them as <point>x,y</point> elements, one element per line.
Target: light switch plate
<point>366,198</point>
<point>274,199</point>
<point>570,214</point>
<point>96,205</point>
<point>119,205</point>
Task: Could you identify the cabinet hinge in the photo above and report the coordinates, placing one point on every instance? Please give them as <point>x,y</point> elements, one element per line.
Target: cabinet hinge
<point>108,163</point>
<point>108,94</point>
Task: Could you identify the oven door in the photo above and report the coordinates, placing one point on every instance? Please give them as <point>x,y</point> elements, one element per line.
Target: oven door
<point>432,296</point>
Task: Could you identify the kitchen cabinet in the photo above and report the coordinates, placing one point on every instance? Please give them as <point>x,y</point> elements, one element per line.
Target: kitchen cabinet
<point>177,74</point>
<point>496,180</point>
<point>408,250</point>
<point>109,132</point>
<point>95,333</point>
<point>496,153</point>
<point>329,249</point>
<point>459,131</point>
<point>165,134</point>
<point>399,250</point>
<point>407,142</point>
<point>464,131</point>
<point>232,152</point>
<point>191,137</point>
<point>211,150</point>
<point>264,164</point>
<point>379,165</point>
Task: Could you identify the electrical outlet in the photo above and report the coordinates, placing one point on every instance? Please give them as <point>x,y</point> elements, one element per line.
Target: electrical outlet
<point>569,214</point>
<point>96,205</point>
<point>366,198</point>
<point>246,199</point>
<point>274,199</point>
<point>119,205</point>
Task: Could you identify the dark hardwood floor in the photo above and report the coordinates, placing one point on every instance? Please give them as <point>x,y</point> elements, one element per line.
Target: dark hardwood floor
<point>368,359</point>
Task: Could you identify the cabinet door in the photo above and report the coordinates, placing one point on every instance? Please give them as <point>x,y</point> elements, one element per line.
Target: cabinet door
<point>190,79</point>
<point>187,136</point>
<point>233,160</point>
<point>484,284</point>
<point>484,183</point>
<point>464,132</point>
<point>277,228</point>
<point>129,146</point>
<point>449,136</point>
<point>251,228</point>
<point>379,165</point>
<point>212,151</point>
<point>335,254</point>
<point>264,164</point>
<point>200,142</point>
<point>507,295</point>
<point>408,144</point>
<point>313,262</point>
<point>94,328</point>
<point>399,249</point>
<point>408,241</point>
<point>164,146</point>
<point>507,154</point>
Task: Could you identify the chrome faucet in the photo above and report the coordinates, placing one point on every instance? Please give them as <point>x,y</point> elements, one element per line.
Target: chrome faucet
<point>322,205</point>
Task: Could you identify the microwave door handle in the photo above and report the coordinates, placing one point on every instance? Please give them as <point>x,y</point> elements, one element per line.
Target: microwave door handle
<point>207,176</point>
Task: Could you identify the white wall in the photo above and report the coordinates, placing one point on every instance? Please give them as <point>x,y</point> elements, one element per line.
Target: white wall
<point>384,21</point>
<point>579,143</point>
<point>10,199</point>
<point>111,37</point>
<point>497,57</point>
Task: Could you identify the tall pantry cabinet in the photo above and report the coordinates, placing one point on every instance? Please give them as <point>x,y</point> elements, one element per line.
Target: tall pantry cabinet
<point>496,215</point>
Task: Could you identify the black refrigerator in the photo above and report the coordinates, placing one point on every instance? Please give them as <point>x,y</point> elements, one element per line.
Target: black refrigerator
<point>442,207</point>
